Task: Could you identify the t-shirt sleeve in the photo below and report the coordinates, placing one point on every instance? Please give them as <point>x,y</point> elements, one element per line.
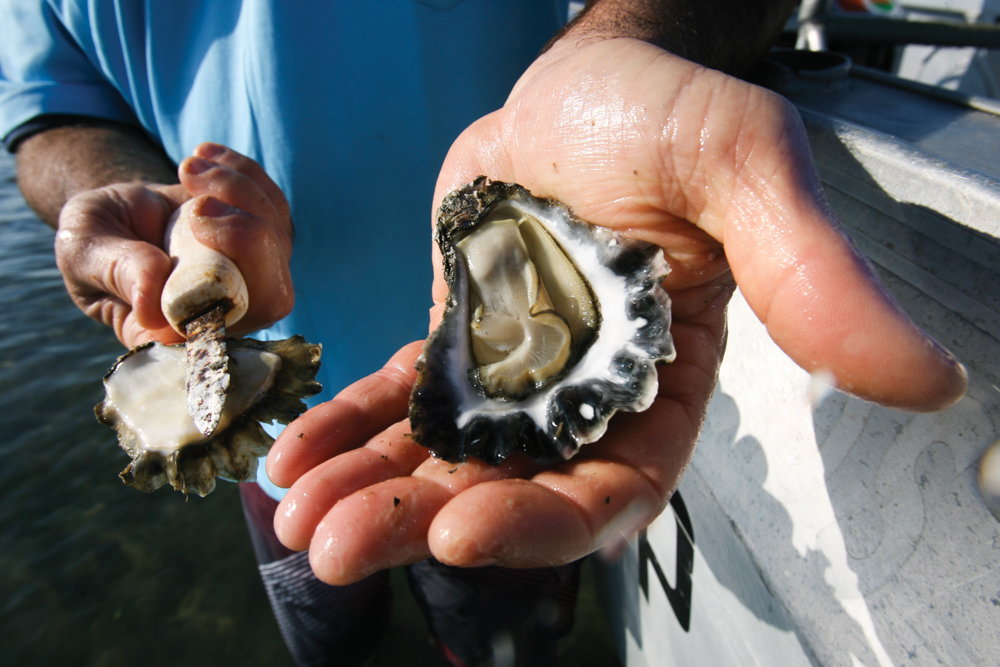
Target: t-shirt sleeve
<point>44,71</point>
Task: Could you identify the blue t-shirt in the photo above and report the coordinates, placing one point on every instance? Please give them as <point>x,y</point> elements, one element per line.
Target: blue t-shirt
<point>349,106</point>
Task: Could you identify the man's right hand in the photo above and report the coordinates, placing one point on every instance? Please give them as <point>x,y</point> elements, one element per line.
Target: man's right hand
<point>109,243</point>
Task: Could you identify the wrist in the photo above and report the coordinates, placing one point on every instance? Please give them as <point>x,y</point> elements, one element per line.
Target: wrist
<point>728,35</point>
<point>58,163</point>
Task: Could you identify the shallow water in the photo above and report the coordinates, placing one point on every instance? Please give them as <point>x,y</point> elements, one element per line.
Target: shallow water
<point>95,573</point>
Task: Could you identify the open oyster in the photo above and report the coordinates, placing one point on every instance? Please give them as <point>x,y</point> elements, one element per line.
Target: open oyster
<point>146,403</point>
<point>551,326</point>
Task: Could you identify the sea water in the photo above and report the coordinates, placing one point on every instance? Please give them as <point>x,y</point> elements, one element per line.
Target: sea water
<point>93,572</point>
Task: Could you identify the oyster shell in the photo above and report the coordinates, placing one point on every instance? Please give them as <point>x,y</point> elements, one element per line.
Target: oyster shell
<point>551,326</point>
<point>146,403</point>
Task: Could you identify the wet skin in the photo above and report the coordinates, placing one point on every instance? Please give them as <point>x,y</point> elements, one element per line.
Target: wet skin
<point>715,171</point>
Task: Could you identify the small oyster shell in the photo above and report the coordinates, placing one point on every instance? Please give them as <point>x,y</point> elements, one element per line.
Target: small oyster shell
<point>146,403</point>
<point>551,326</point>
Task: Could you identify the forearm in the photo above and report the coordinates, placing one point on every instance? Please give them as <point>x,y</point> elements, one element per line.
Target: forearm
<point>727,35</point>
<point>56,164</point>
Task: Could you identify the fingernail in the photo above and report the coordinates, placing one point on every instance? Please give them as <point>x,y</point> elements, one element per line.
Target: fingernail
<point>213,208</point>
<point>210,151</point>
<point>196,166</point>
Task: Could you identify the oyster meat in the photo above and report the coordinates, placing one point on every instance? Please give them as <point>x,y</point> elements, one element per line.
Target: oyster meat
<point>146,403</point>
<point>551,326</point>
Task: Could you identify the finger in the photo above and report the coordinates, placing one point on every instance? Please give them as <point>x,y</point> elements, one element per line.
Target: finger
<point>223,155</point>
<point>108,263</point>
<point>754,186</point>
<point>344,548</point>
<point>516,523</point>
<point>565,513</point>
<point>121,317</point>
<point>133,334</point>
<point>396,515</point>
<point>253,245</point>
<point>226,184</point>
<point>354,416</point>
<point>112,276</point>
<point>391,454</point>
<point>820,298</point>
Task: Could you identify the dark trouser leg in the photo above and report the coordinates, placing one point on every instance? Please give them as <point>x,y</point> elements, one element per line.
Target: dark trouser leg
<point>321,624</point>
<point>494,615</point>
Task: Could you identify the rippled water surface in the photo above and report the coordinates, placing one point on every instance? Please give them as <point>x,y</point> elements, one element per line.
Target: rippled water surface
<point>92,572</point>
<point>95,573</point>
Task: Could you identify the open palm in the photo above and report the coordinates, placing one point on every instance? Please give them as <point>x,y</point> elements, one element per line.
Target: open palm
<point>715,171</point>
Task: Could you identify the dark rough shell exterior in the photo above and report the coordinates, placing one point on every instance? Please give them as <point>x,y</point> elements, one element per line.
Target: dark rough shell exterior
<point>575,412</point>
<point>231,453</point>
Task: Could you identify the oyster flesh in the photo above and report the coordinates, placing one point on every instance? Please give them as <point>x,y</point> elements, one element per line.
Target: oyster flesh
<point>146,403</point>
<point>551,326</point>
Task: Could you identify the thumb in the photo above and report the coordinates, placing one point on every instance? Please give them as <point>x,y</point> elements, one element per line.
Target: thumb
<point>821,299</point>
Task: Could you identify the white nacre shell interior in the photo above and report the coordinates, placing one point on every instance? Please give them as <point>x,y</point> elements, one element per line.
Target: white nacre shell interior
<point>604,287</point>
<point>149,393</point>
<point>146,403</point>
